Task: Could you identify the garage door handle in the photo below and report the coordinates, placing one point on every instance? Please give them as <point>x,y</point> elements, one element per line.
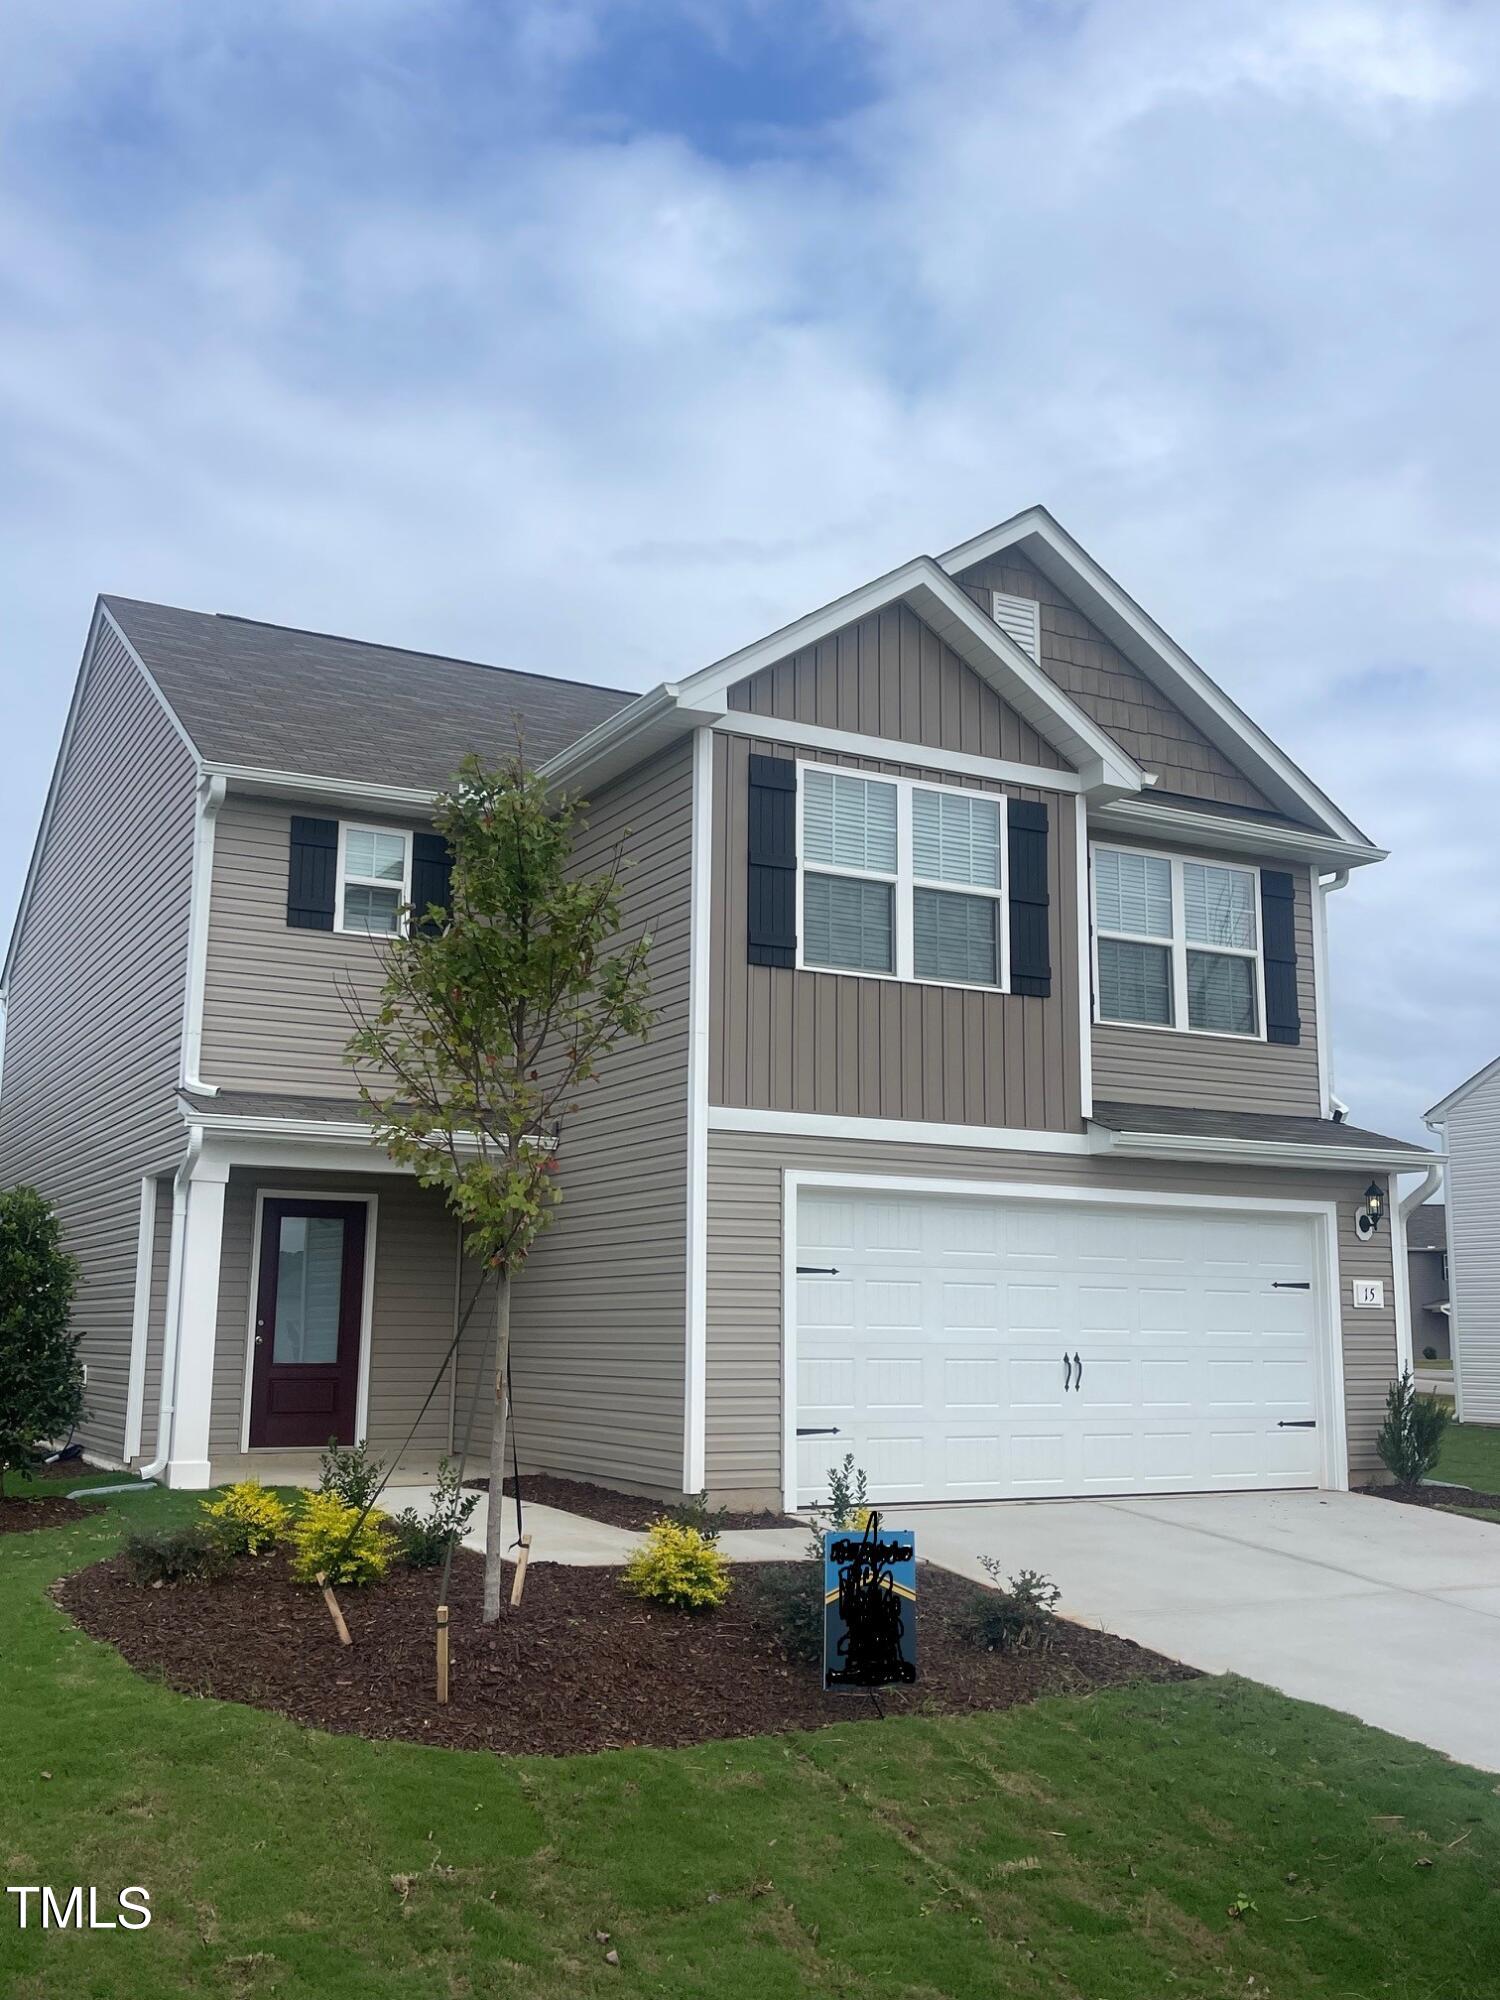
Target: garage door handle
<point>830,1431</point>
<point>817,1270</point>
<point>1067,1371</point>
<point>1297,1424</point>
<point>1291,1284</point>
<point>1077,1369</point>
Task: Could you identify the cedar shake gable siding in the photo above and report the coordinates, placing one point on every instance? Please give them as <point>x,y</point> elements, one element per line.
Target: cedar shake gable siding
<point>1113,691</point>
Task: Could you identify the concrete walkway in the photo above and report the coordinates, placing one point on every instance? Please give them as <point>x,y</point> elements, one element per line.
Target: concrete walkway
<point>1391,1613</point>
<point>571,1538</point>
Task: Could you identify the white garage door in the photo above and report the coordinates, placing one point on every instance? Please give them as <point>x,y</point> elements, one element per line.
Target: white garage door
<point>978,1349</point>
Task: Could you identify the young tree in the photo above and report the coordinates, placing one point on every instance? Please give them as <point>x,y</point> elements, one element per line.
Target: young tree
<point>492,1016</point>
<point>41,1382</point>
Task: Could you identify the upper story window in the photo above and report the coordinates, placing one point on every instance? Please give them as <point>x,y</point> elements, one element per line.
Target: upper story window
<point>374,878</point>
<point>900,879</point>
<point>1177,943</point>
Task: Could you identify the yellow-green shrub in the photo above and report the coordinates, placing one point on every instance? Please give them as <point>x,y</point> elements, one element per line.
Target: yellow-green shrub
<point>247,1518</point>
<point>322,1526</point>
<point>680,1567</point>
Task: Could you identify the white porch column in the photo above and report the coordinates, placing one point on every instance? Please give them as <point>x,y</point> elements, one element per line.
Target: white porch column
<point>197,1329</point>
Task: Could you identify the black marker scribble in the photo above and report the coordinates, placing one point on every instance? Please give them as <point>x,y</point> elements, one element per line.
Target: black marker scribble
<point>871,1645</point>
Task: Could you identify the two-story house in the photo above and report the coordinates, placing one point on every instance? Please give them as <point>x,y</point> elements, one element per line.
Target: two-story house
<point>986,1131</point>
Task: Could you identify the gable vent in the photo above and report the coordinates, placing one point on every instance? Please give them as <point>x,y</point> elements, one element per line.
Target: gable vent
<point>1020,618</point>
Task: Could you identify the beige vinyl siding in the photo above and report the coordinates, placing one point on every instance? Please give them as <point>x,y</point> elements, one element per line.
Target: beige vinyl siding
<point>1473,1197</point>
<point>600,1312</point>
<point>1217,1072</point>
<point>161,1249</point>
<point>412,1323</point>
<point>890,675</point>
<point>1114,692</point>
<point>789,1040</point>
<point>277,1001</point>
<point>94,1016</point>
<point>745,1235</point>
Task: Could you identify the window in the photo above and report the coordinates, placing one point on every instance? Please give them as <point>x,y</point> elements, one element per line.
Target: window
<point>374,879</point>
<point>1177,943</point>
<point>902,880</point>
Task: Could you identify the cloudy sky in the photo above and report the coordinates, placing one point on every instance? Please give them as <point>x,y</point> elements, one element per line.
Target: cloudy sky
<point>600,338</point>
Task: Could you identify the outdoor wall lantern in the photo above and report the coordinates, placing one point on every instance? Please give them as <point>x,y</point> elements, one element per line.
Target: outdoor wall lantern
<point>1367,1215</point>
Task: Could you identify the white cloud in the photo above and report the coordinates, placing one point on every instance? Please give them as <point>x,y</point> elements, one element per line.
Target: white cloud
<point>419,335</point>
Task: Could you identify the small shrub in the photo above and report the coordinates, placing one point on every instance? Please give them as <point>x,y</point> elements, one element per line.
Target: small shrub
<point>1015,1617</point>
<point>693,1511</point>
<point>424,1539</point>
<point>790,1597</point>
<point>1411,1437</point>
<point>1429,1354</point>
<point>179,1555</point>
<point>680,1567</point>
<point>847,1495</point>
<point>247,1518</point>
<point>41,1378</point>
<point>348,1472</point>
<point>324,1542</point>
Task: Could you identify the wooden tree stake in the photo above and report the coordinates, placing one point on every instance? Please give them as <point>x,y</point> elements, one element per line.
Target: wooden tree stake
<point>442,1652</point>
<point>333,1609</point>
<point>521,1561</point>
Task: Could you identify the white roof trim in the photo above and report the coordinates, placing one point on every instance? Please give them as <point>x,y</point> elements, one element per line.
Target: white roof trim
<point>1470,1084</point>
<point>267,783</point>
<point>101,617</point>
<point>959,623</point>
<point>1241,836</point>
<point>1143,641</point>
<point>1260,1152</point>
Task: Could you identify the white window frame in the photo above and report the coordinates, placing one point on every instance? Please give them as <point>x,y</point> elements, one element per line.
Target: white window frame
<point>905,881</point>
<point>343,879</point>
<point>1180,944</point>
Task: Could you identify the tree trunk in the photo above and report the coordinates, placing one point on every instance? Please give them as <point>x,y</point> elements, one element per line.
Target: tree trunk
<point>494,1530</point>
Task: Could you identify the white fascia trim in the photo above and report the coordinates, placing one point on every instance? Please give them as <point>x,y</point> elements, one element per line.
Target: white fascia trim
<point>1335,1473</point>
<point>366,1310</point>
<point>908,1131</point>
<point>1240,836</point>
<point>1257,1152</point>
<point>140,1319</point>
<point>650,723</point>
<point>211,790</point>
<point>1121,618</point>
<point>893,750</point>
<point>268,783</point>
<point>1439,1112</point>
<point>695,1360</point>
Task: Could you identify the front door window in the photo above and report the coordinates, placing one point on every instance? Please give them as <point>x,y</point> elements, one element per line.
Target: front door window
<point>309,1308</point>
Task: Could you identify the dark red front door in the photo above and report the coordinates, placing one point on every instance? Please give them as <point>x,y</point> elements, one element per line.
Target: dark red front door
<point>308,1305</point>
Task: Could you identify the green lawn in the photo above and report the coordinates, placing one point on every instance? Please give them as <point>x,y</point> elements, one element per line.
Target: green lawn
<point>1086,1849</point>
<point>1471,1456</point>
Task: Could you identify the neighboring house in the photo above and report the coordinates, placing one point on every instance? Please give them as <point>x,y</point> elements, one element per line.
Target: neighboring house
<point>1427,1266</point>
<point>985,1132</point>
<point>1467,1123</point>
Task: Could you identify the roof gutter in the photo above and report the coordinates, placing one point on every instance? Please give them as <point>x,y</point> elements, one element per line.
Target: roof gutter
<point>1135,815</point>
<point>1258,1152</point>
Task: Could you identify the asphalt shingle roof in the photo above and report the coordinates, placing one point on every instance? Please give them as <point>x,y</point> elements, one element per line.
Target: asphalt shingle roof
<point>1183,1121</point>
<point>278,699</point>
<point>1427,1227</point>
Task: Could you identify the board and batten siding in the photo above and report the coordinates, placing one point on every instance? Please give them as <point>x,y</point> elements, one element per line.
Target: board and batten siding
<point>412,1323</point>
<point>790,1040</point>
<point>889,674</point>
<point>1217,1072</point>
<point>277,1000</point>
<point>94,1015</point>
<point>1112,690</point>
<point>599,1314</point>
<point>1473,1197</point>
<point>745,1237</point>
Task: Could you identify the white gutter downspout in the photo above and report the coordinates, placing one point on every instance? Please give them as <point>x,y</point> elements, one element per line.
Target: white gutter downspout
<point>211,789</point>
<point>1338,880</point>
<point>172,1320</point>
<point>1430,1182</point>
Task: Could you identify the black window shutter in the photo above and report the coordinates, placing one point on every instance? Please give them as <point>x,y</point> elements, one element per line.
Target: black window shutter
<point>1278,931</point>
<point>431,875</point>
<point>311,867</point>
<point>1030,953</point>
<point>772,884</point>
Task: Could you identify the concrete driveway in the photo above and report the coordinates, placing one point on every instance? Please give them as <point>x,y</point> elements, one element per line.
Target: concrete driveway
<point>1391,1613</point>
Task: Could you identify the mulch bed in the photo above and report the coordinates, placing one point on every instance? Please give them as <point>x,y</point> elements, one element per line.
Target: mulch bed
<point>22,1517</point>
<point>582,1666</point>
<point>615,1510</point>
<point>1436,1496</point>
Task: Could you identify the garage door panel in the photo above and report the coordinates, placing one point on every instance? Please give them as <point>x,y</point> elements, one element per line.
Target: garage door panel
<point>937,1352</point>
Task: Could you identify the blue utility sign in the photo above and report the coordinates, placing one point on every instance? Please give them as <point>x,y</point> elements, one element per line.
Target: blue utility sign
<point>869,1606</point>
